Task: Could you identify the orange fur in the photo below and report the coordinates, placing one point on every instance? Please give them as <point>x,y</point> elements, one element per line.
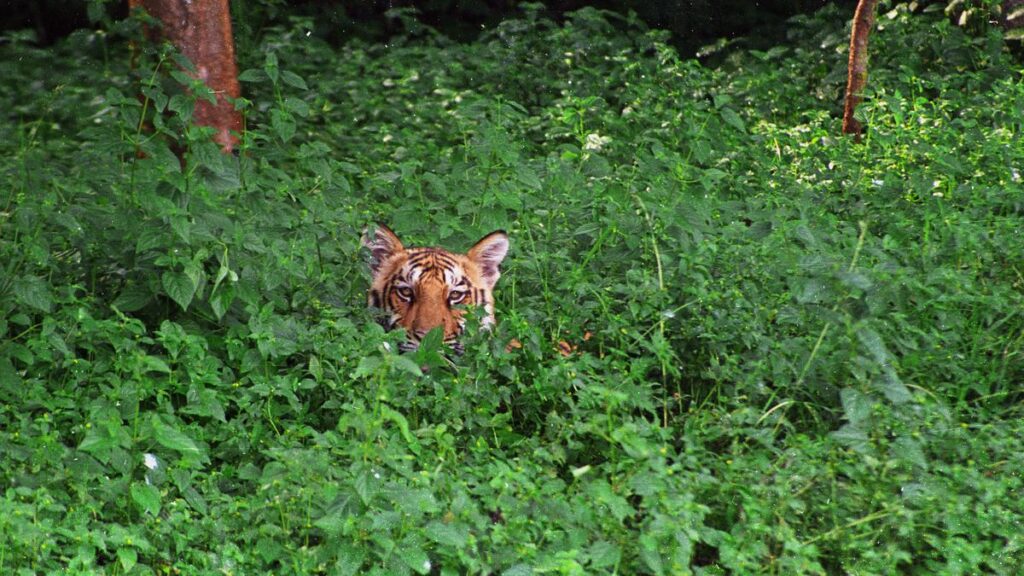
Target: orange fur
<point>423,288</point>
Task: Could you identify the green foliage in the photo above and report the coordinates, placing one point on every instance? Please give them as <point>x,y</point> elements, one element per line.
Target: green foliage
<point>747,345</point>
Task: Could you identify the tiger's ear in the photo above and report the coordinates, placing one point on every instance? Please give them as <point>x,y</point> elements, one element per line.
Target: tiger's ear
<point>382,244</point>
<point>487,254</point>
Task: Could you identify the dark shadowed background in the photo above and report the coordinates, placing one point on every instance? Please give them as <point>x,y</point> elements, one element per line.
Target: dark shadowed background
<point>693,23</point>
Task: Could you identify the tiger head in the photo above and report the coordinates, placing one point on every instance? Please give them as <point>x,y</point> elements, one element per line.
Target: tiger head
<point>422,288</point>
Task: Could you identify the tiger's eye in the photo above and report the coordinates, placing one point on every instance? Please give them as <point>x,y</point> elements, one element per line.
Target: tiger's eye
<point>457,296</point>
<point>404,292</point>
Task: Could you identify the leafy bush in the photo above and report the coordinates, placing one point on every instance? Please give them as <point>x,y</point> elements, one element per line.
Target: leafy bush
<point>747,345</point>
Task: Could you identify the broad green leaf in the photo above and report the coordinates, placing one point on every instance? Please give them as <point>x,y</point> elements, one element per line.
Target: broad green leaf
<point>856,406</point>
<point>447,534</point>
<point>528,177</point>
<point>733,119</point>
<point>170,437</point>
<point>10,380</point>
<point>367,366</point>
<point>297,107</point>
<point>909,450</point>
<point>147,498</point>
<point>850,435</point>
<point>518,570</point>
<point>650,553</point>
<point>33,291</point>
<point>254,75</point>
<point>97,440</point>
<point>872,340</point>
<point>414,557</point>
<point>128,557</point>
<point>350,560</point>
<point>155,364</point>
<point>179,287</point>
<point>134,297</point>
<point>403,426</point>
<point>892,387</point>
<point>220,301</point>
<point>293,79</point>
<point>406,364</point>
<point>283,124</point>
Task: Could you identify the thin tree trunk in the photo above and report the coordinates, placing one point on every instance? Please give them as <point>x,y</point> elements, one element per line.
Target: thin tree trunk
<point>863,22</point>
<point>201,31</point>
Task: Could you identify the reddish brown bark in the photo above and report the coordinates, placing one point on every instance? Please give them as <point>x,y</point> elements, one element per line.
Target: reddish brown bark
<point>201,31</point>
<point>863,22</point>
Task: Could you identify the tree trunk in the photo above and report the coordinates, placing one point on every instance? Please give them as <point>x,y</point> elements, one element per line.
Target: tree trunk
<point>863,22</point>
<point>201,31</point>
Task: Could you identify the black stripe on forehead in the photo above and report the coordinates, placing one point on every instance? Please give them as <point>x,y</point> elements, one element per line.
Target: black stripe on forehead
<point>432,257</point>
<point>433,265</point>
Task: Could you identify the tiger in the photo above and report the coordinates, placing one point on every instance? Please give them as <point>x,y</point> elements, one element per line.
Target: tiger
<point>423,288</point>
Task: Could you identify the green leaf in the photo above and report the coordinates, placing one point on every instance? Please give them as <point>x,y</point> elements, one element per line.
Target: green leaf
<point>350,560</point>
<point>179,287</point>
<point>155,364</point>
<point>147,498</point>
<point>134,297</point>
<point>874,343</point>
<point>170,437</point>
<point>733,119</point>
<point>220,301</point>
<point>890,385</point>
<point>528,177</point>
<point>254,75</point>
<point>297,106</point>
<point>293,79</point>
<point>856,406</point>
<point>403,426</point>
<point>97,440</point>
<point>447,534</point>
<point>415,558</point>
<point>649,553</point>
<point>283,124</point>
<point>271,68</point>
<point>603,554</point>
<point>128,557</point>
<point>33,291</point>
<point>850,435</point>
<point>518,570</point>
<point>909,450</point>
<point>406,364</point>
<point>316,369</point>
<point>10,380</point>
<point>367,366</point>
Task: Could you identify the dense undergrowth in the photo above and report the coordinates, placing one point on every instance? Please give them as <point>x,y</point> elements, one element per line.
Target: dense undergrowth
<point>791,354</point>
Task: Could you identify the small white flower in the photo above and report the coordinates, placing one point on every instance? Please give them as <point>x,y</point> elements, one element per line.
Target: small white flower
<point>387,138</point>
<point>595,142</point>
<point>150,461</point>
<point>938,194</point>
<point>878,181</point>
<point>387,346</point>
<point>1015,174</point>
<point>936,183</point>
<point>388,83</point>
<point>426,565</point>
<point>627,110</point>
